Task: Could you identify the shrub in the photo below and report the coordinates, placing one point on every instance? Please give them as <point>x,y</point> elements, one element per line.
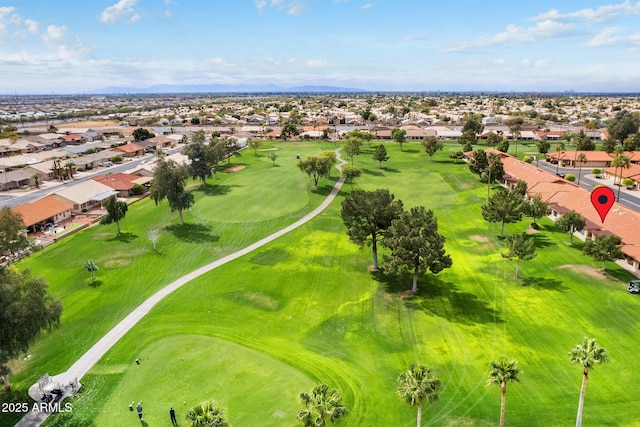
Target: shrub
<point>116,159</point>
<point>570,177</point>
<point>627,182</point>
<point>527,159</point>
<point>596,171</point>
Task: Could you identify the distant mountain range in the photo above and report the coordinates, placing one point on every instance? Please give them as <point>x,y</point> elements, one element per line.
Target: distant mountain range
<point>220,88</point>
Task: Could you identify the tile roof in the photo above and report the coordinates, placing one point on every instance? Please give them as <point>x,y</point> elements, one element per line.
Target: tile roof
<point>621,221</point>
<point>41,210</point>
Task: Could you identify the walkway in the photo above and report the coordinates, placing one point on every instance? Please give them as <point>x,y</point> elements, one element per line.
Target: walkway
<point>95,353</point>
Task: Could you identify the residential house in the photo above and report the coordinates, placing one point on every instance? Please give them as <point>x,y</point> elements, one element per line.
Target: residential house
<point>130,150</point>
<point>85,196</point>
<point>564,196</point>
<point>44,212</point>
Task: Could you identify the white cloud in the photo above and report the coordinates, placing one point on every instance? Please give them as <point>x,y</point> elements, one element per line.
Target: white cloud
<point>297,7</point>
<point>123,10</point>
<point>216,61</point>
<point>32,26</point>
<point>516,35</point>
<point>605,37</point>
<point>601,14</point>
<point>260,4</point>
<point>634,40</point>
<point>366,6</point>
<point>292,60</point>
<point>317,63</point>
<point>292,7</point>
<point>54,33</point>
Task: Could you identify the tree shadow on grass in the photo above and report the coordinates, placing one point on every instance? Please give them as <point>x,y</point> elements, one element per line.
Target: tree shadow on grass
<point>193,233</point>
<point>546,283</point>
<point>323,190</point>
<point>95,283</point>
<point>440,298</point>
<point>372,172</point>
<point>216,190</point>
<point>392,170</point>
<point>123,237</point>
<point>542,241</point>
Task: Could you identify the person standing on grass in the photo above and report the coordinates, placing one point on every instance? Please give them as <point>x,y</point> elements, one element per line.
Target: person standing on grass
<point>172,414</point>
<point>139,408</point>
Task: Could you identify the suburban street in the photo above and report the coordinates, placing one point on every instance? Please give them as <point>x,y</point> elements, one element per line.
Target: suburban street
<point>17,197</point>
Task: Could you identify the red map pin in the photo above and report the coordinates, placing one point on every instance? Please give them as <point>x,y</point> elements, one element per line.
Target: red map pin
<point>602,199</point>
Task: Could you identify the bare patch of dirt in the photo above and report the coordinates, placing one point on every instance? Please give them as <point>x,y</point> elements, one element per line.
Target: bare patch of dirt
<point>594,272</point>
<point>92,123</point>
<point>477,238</point>
<point>234,169</point>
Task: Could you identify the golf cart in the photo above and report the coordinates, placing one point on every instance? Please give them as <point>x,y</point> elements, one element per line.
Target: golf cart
<point>634,287</point>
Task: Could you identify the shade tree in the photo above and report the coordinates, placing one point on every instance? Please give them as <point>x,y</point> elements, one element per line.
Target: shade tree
<point>431,145</point>
<point>570,222</point>
<point>13,235</point>
<point>367,215</point>
<point>415,244</point>
<point>169,183</point>
<point>380,154</point>
<point>606,247</point>
<point>199,161</point>
<point>315,167</point>
<point>116,211</point>
<point>519,247</point>
<point>504,207</point>
<point>399,136</point>
<point>27,310</point>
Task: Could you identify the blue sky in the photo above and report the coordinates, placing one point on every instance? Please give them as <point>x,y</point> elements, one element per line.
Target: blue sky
<point>72,46</point>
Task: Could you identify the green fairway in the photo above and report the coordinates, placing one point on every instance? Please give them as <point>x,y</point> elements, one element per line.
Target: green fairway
<point>254,333</point>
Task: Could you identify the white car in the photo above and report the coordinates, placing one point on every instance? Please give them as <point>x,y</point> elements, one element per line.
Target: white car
<point>634,287</point>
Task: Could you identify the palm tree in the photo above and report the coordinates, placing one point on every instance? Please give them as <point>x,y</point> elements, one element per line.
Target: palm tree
<point>581,158</point>
<point>587,356</point>
<point>321,405</point>
<point>69,168</point>
<point>503,371</point>
<point>623,162</point>
<point>207,414</point>
<point>417,386</point>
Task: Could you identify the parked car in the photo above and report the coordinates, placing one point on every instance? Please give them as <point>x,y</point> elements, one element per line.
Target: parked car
<point>106,164</point>
<point>634,287</point>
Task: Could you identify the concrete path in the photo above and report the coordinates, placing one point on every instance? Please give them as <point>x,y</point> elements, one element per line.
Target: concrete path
<point>95,353</point>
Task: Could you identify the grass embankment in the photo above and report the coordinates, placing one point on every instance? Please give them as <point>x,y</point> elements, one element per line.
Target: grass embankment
<point>256,332</point>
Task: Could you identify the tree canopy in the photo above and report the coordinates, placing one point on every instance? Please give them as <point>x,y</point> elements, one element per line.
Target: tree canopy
<point>418,385</point>
<point>27,310</point>
<point>141,134</point>
<point>415,244</point>
<point>199,160</point>
<point>502,372</point>
<point>504,207</point>
<point>207,414</point>
<point>431,144</point>
<point>399,136</point>
<point>519,247</point>
<point>169,183</point>
<point>367,214</point>
<point>316,167</point>
<point>380,154</point>
<point>13,236</point>
<point>322,405</point>
<point>116,211</point>
<point>570,222</point>
<point>606,247</point>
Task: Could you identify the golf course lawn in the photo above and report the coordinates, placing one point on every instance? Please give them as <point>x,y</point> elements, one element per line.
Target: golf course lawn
<point>304,309</point>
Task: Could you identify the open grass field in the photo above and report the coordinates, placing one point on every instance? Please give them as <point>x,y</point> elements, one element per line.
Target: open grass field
<point>304,309</point>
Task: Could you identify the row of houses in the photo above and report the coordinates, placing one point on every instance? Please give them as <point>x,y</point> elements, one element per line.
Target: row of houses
<point>564,196</point>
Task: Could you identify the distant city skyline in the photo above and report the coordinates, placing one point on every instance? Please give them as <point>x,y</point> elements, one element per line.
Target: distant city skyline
<point>77,46</point>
